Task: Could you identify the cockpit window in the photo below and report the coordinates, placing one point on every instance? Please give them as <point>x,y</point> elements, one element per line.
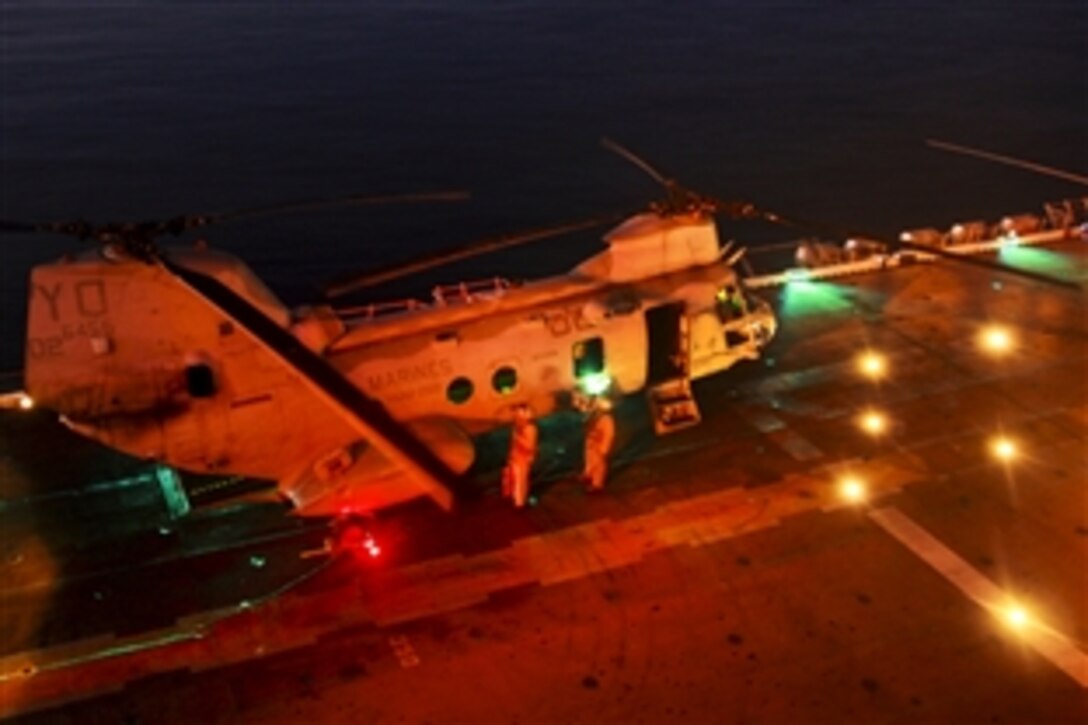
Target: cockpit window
<point>731,304</point>
<point>733,338</point>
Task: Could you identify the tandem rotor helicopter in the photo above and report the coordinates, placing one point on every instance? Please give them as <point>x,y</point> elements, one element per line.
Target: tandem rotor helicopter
<point>183,356</point>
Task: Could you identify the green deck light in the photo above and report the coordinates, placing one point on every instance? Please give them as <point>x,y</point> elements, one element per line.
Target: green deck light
<point>797,275</point>
<point>1036,260</point>
<point>595,383</point>
<point>807,297</point>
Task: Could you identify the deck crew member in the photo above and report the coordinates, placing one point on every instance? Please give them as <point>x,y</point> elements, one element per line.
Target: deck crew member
<point>600,434</point>
<point>519,462</point>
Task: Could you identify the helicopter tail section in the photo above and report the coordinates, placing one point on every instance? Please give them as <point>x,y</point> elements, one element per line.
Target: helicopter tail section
<point>187,361</point>
<point>74,363</point>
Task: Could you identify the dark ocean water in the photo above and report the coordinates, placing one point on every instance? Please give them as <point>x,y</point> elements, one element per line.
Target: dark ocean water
<point>138,110</point>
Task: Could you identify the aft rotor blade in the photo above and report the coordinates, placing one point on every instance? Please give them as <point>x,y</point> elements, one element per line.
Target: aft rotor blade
<point>1009,161</point>
<point>367,416</point>
<point>74,228</point>
<point>147,231</point>
<point>831,231</point>
<point>193,221</point>
<point>9,226</point>
<point>341,287</point>
<point>637,161</point>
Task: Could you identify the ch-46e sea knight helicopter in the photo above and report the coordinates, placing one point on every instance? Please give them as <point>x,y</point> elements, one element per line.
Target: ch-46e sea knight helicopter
<point>183,356</point>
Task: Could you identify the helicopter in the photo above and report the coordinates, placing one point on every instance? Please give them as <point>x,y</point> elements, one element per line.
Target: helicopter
<point>183,356</point>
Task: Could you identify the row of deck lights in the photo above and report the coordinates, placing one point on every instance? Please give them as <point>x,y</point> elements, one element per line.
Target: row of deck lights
<point>995,340</point>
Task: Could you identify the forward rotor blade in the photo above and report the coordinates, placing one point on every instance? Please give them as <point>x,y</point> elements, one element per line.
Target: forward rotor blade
<point>637,161</point>
<point>993,266</point>
<point>834,232</point>
<point>1009,161</point>
<point>193,221</point>
<point>341,287</point>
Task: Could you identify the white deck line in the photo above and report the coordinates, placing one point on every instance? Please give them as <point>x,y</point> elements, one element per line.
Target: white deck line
<point>1048,643</point>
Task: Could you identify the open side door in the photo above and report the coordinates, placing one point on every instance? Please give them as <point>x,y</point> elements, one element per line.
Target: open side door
<point>668,382</point>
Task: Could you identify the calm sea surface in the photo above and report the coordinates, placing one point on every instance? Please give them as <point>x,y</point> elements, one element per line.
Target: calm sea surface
<point>137,110</point>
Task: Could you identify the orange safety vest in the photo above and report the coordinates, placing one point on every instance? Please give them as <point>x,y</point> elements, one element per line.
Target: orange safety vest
<point>601,432</point>
<point>523,441</point>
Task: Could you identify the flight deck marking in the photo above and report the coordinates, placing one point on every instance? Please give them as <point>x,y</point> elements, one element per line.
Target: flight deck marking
<point>1047,642</point>
<point>576,552</point>
<point>784,437</point>
<point>957,374</point>
<point>451,583</point>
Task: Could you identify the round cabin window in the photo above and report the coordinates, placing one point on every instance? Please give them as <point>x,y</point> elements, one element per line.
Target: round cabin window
<point>504,380</point>
<point>459,390</point>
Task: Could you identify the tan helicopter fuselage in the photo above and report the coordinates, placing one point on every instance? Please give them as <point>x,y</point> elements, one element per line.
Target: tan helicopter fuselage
<point>131,356</point>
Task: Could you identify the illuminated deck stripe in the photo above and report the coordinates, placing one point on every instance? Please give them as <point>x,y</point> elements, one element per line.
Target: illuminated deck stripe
<point>1048,643</point>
